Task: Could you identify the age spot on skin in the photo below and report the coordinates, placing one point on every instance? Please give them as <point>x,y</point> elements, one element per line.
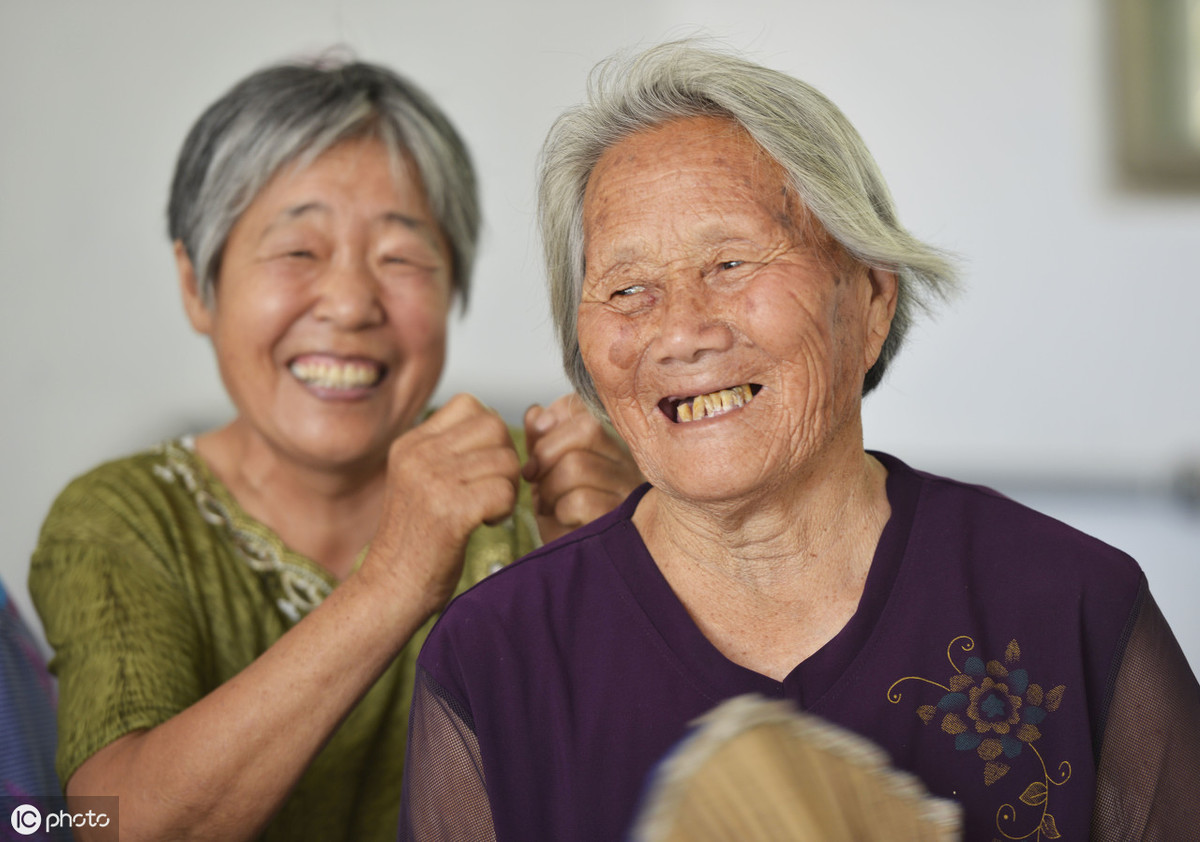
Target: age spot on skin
<point>623,353</point>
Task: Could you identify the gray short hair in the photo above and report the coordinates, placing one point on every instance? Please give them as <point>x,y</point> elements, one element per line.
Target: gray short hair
<point>292,113</point>
<point>826,162</point>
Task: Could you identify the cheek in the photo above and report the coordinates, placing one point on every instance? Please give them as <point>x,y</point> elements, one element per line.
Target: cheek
<point>625,348</point>
<point>420,322</point>
<point>249,316</point>
<point>852,335</point>
<point>784,324</point>
<point>427,333</point>
<point>799,329</point>
<point>610,346</point>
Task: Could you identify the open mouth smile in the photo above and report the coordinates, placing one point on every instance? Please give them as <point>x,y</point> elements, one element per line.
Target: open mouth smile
<point>697,407</point>
<point>336,374</point>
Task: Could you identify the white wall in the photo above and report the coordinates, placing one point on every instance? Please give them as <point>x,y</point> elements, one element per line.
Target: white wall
<point>1070,354</point>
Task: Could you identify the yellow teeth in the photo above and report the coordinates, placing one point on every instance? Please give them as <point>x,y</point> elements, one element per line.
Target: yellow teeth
<point>328,375</point>
<point>714,403</point>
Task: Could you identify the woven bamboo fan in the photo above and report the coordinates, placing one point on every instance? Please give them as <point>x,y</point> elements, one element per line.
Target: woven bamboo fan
<point>754,770</point>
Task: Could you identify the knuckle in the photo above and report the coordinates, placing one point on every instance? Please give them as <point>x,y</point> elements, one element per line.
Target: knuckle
<point>486,418</point>
<point>572,508</point>
<point>463,404</point>
<point>575,465</point>
<point>499,495</point>
<point>585,505</point>
<point>509,462</point>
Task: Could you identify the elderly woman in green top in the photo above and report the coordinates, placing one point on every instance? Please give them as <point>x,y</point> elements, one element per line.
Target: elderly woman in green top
<point>235,616</point>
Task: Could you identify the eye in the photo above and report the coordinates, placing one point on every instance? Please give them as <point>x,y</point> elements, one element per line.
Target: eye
<point>403,251</point>
<point>407,266</point>
<point>730,264</point>
<point>627,291</point>
<point>300,254</point>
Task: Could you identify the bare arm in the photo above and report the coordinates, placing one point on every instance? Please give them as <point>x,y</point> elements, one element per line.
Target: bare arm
<point>221,768</point>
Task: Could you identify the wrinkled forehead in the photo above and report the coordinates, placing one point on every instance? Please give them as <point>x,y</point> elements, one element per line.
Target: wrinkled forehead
<point>704,141</point>
<point>706,163</point>
<point>354,157</point>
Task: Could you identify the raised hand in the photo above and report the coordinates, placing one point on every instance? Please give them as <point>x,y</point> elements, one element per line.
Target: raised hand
<point>578,468</point>
<point>447,476</point>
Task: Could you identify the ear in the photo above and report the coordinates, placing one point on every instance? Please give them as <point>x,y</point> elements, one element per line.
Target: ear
<point>885,290</point>
<point>198,311</point>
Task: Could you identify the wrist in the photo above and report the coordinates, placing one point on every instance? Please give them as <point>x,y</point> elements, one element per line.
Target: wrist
<point>399,592</point>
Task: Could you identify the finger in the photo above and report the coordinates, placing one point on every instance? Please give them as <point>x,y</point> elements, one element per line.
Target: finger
<point>497,499</point>
<point>458,408</point>
<point>533,432</point>
<point>475,432</point>
<point>578,469</point>
<point>451,497</point>
<point>580,507</point>
<point>564,408</point>
<point>471,465</point>
<point>541,420</point>
<point>457,428</point>
<point>576,434</point>
<point>422,466</point>
<point>538,420</point>
<point>583,505</point>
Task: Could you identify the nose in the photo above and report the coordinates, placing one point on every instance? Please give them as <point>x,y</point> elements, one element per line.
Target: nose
<point>348,295</point>
<point>691,326</point>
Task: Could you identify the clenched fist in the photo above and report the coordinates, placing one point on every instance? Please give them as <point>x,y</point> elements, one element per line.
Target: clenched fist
<point>578,468</point>
<point>445,477</point>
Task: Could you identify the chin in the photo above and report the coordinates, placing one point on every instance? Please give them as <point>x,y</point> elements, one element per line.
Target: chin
<point>710,486</point>
<point>336,453</point>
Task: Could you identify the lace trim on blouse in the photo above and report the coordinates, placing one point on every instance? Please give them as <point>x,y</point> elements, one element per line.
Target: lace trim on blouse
<point>303,589</point>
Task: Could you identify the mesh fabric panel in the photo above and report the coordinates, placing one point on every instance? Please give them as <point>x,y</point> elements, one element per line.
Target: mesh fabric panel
<point>1148,781</point>
<point>444,793</point>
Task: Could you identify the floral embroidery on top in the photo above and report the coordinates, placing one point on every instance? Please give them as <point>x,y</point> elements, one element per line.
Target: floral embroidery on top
<point>995,710</point>
<point>303,589</point>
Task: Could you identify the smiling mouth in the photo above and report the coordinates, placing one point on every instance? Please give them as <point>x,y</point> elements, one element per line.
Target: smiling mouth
<point>698,407</point>
<point>339,375</point>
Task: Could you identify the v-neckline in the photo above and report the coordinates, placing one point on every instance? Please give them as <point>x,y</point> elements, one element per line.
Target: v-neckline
<point>719,677</point>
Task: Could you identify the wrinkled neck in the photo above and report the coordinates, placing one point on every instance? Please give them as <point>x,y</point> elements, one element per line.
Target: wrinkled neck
<point>828,519</point>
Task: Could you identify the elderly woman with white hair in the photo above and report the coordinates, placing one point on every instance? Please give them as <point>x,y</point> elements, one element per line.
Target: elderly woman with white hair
<point>729,278</point>
<point>236,615</point>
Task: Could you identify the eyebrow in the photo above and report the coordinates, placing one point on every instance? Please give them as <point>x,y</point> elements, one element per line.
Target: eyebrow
<point>288,214</point>
<point>407,221</point>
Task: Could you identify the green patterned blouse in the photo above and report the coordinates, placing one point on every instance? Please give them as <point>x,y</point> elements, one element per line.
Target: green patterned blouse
<point>155,587</point>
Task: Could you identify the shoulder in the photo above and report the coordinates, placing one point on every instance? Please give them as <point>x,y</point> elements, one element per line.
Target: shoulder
<point>545,590</point>
<point>550,570</point>
<point>139,506</point>
<point>127,487</point>
<point>1004,539</point>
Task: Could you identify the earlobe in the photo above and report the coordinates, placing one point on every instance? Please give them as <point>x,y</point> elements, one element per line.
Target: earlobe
<point>198,311</point>
<point>885,291</point>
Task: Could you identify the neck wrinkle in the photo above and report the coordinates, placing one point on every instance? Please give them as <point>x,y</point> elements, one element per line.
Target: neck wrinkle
<point>825,535</point>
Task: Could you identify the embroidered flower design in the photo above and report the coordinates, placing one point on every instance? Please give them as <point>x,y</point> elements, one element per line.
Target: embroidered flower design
<point>995,710</point>
<point>992,708</point>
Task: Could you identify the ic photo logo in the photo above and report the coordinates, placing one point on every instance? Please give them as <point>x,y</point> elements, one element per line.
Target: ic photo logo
<point>26,819</point>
